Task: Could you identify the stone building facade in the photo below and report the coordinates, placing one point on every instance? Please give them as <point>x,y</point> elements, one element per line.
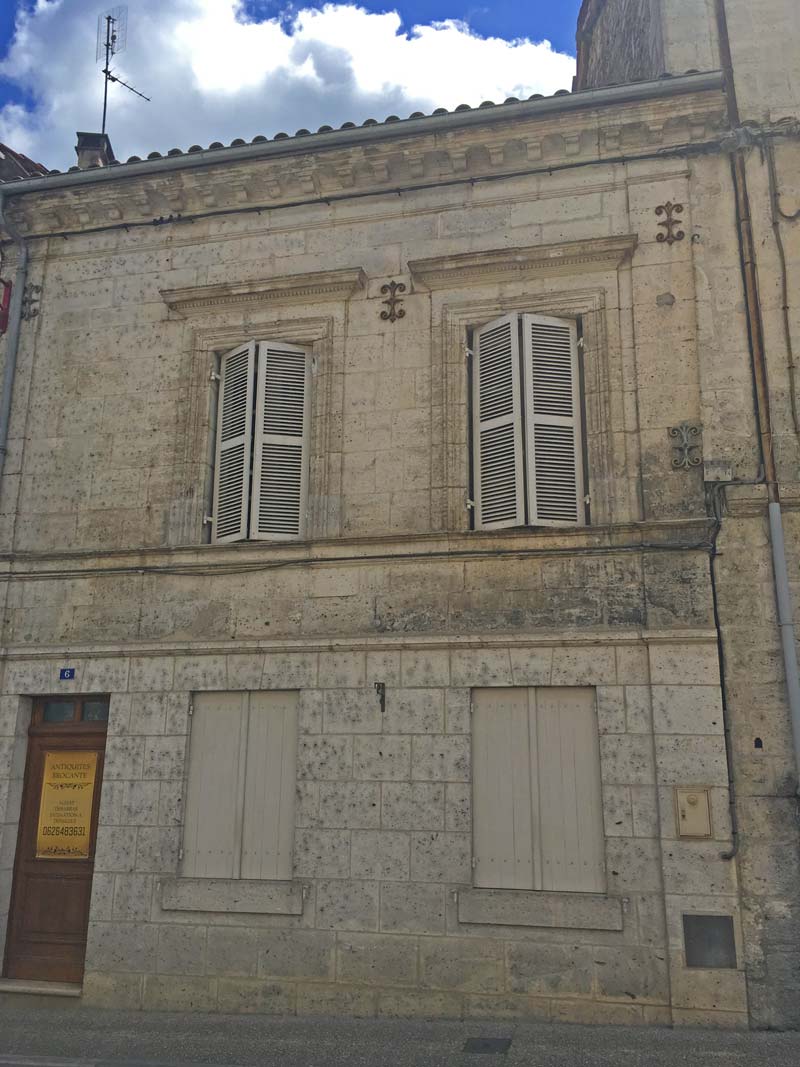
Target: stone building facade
<point>383,651</point>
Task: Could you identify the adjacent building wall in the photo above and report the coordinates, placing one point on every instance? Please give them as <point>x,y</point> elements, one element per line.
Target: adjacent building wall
<point>630,40</point>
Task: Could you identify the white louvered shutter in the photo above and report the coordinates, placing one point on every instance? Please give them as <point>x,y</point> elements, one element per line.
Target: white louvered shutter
<point>280,462</point>
<point>552,421</point>
<point>497,422</point>
<point>234,437</point>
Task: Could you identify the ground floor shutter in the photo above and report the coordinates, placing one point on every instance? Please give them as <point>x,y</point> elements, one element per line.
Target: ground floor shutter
<point>217,747</point>
<point>239,820</point>
<point>537,818</point>
<point>572,844</point>
<point>268,828</point>
<point>501,759</point>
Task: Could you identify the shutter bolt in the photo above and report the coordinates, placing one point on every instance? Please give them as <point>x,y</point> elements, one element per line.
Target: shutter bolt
<point>214,377</point>
<point>380,689</point>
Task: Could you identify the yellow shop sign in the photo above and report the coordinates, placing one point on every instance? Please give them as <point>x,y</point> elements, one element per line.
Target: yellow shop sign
<point>65,808</point>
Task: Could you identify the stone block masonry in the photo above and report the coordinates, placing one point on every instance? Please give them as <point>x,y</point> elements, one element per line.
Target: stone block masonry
<point>383,840</point>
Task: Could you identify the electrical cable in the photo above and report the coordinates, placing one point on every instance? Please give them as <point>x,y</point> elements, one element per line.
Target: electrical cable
<point>203,570</point>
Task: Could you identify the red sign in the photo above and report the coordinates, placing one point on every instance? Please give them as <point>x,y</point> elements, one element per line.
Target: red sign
<point>5,304</point>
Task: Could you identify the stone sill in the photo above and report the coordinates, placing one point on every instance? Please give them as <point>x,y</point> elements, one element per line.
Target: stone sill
<point>238,895</point>
<point>42,989</point>
<point>521,907</point>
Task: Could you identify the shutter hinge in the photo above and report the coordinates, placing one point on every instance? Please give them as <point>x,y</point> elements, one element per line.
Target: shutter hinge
<point>474,862</point>
<point>469,503</point>
<point>191,710</point>
<point>180,854</point>
<point>208,520</point>
<point>213,376</point>
<point>580,342</point>
<point>468,353</point>
<point>587,499</point>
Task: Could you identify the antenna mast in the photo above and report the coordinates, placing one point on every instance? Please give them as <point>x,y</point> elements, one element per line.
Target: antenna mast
<point>112,37</point>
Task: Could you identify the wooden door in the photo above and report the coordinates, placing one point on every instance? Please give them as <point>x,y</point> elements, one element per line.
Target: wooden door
<point>54,863</point>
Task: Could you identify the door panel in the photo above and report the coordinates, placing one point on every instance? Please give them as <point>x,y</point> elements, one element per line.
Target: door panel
<point>50,900</point>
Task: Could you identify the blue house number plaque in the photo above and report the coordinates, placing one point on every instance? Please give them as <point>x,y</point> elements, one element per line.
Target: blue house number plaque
<point>66,674</point>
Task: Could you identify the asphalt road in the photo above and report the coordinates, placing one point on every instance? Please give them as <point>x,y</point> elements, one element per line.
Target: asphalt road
<point>81,1037</point>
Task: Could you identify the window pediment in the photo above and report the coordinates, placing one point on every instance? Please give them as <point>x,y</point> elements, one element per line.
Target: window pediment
<point>317,285</point>
<point>450,272</point>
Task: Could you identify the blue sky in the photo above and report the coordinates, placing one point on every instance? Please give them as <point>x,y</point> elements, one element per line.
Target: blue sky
<point>554,20</point>
<point>219,69</point>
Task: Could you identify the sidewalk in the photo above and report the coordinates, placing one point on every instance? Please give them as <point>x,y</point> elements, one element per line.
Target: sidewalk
<point>78,1035</point>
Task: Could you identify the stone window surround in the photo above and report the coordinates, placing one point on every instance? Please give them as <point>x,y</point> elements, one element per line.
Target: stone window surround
<point>516,269</point>
<point>223,316</point>
<point>246,303</point>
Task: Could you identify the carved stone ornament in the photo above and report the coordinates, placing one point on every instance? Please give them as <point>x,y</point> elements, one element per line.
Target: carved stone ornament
<point>687,450</point>
<point>393,303</point>
<point>670,223</point>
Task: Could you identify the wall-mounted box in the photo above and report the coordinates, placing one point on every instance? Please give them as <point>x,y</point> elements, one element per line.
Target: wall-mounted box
<point>692,812</point>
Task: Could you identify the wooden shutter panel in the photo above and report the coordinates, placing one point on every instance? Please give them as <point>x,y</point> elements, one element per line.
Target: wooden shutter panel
<point>497,426</point>
<point>570,835</point>
<point>217,747</point>
<point>280,464</point>
<point>552,421</point>
<point>502,781</point>
<point>269,796</point>
<point>234,437</point>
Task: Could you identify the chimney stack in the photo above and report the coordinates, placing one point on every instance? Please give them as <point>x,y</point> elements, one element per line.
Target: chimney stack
<point>94,150</point>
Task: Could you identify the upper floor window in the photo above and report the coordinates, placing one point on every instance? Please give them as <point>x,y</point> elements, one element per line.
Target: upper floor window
<point>262,451</point>
<point>527,416</point>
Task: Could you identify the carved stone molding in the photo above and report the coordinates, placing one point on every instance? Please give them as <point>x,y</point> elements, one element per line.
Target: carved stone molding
<point>446,272</point>
<point>319,285</point>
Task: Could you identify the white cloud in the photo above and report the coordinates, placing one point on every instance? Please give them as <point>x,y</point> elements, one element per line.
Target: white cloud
<point>214,75</point>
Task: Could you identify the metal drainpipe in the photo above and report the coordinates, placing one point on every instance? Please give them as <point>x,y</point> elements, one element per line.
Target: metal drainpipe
<point>757,351</point>
<point>14,322</point>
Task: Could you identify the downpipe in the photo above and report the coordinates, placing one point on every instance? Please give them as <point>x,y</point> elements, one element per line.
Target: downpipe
<point>14,325</point>
<point>747,253</point>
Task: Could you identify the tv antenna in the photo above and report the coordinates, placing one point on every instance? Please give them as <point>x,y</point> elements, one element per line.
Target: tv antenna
<point>112,38</point>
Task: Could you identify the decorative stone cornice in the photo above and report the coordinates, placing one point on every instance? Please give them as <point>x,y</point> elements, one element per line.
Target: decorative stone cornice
<point>319,285</point>
<point>522,141</point>
<point>446,272</point>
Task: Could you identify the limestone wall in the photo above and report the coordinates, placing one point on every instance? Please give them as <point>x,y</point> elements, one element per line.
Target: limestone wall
<point>383,841</point>
<point>110,571</point>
